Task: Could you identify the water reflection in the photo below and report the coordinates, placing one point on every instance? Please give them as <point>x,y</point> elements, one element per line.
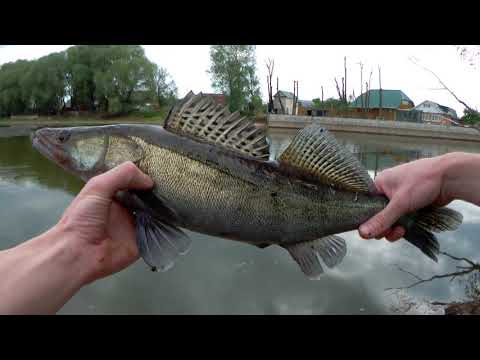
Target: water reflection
<point>20,162</point>
<point>224,277</point>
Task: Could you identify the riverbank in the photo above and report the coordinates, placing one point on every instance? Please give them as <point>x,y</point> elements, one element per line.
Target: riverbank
<point>23,126</point>
<point>376,127</point>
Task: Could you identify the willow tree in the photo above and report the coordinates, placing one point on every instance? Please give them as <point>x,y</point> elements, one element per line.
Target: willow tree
<point>233,73</point>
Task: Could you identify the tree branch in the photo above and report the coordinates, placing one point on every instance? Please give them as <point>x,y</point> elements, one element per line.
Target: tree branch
<point>452,275</point>
<point>459,259</point>
<point>444,86</point>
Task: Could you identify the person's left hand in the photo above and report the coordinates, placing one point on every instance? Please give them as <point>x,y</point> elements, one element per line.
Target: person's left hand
<point>101,231</point>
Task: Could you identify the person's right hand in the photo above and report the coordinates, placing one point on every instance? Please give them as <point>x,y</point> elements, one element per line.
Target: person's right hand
<point>98,227</point>
<point>409,187</point>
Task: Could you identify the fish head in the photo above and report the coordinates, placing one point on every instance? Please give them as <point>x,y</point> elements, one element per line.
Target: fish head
<point>86,151</point>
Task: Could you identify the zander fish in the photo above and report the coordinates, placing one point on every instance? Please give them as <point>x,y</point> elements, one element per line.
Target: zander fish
<point>212,174</point>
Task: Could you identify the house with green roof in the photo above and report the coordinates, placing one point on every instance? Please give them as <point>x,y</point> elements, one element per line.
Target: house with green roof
<point>390,99</point>
<point>386,104</point>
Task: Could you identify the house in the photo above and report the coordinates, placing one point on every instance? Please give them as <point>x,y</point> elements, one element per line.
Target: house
<point>391,99</point>
<point>285,98</point>
<point>283,102</point>
<point>387,105</point>
<point>434,113</point>
<point>305,107</point>
<point>220,99</point>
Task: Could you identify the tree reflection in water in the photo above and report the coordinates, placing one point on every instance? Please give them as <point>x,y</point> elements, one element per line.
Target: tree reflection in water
<point>467,272</point>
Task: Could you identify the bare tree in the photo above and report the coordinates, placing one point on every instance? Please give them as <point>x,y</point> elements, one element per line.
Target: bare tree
<point>361,83</point>
<point>295,97</point>
<point>470,53</point>
<point>367,96</point>
<point>461,271</point>
<point>282,109</point>
<point>345,84</point>
<point>338,89</point>
<point>380,89</point>
<point>369,85</point>
<point>270,65</point>
<point>444,87</point>
<point>472,285</point>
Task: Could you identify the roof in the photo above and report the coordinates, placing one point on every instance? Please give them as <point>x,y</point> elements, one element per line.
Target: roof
<point>289,95</point>
<point>305,103</point>
<point>442,109</point>
<point>219,98</point>
<point>390,99</point>
<point>282,93</point>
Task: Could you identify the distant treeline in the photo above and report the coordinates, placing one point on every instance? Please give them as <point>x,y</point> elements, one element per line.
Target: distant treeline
<point>94,78</point>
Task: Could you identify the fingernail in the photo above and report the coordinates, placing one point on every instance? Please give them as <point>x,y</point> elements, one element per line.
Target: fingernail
<point>366,231</point>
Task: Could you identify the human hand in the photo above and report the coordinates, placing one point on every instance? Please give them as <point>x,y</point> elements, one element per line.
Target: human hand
<point>409,187</point>
<point>100,230</point>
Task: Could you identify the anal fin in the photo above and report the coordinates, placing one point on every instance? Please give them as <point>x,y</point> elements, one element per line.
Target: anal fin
<point>331,249</point>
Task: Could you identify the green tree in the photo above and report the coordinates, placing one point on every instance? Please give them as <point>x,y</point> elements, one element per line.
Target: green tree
<point>163,87</point>
<point>45,84</point>
<point>13,97</point>
<point>127,72</point>
<point>233,72</point>
<point>115,78</point>
<point>470,117</point>
<point>330,103</point>
<point>80,71</point>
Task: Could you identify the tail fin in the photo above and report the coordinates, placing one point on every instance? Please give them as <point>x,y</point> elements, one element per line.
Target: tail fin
<point>420,225</point>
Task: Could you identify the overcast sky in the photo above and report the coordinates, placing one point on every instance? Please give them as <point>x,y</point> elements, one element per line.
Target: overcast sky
<point>317,65</point>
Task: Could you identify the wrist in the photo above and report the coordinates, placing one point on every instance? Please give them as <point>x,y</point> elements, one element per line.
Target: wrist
<point>69,254</point>
<point>458,170</point>
<point>40,275</point>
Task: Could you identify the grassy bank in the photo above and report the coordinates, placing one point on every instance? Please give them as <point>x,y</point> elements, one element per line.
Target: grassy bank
<point>156,117</point>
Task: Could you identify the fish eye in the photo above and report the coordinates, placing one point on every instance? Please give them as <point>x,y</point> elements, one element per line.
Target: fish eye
<point>63,137</point>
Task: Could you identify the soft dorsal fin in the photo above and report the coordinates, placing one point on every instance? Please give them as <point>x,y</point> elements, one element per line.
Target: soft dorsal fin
<point>315,152</point>
<point>200,117</point>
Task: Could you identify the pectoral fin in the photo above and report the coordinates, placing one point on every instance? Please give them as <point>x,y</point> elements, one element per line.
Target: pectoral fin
<point>160,242</point>
<point>331,249</point>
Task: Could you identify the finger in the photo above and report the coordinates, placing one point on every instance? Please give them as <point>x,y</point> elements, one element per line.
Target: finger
<point>122,229</point>
<point>382,221</point>
<point>122,177</point>
<point>397,233</point>
<point>384,234</point>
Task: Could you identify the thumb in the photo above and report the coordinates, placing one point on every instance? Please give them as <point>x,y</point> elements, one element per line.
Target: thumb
<point>382,221</point>
<point>122,177</point>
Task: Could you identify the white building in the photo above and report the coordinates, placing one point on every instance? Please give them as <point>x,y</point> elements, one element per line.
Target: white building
<point>435,113</point>
<point>286,99</point>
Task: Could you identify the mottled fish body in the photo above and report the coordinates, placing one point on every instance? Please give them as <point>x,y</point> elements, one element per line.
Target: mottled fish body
<point>212,175</point>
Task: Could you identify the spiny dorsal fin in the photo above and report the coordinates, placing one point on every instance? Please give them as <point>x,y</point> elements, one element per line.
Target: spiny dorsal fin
<point>315,152</point>
<point>200,117</point>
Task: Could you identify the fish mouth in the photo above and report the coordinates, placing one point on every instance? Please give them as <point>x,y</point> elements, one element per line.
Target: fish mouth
<point>48,149</point>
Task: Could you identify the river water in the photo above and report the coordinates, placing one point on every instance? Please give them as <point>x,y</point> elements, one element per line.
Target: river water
<point>226,277</point>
